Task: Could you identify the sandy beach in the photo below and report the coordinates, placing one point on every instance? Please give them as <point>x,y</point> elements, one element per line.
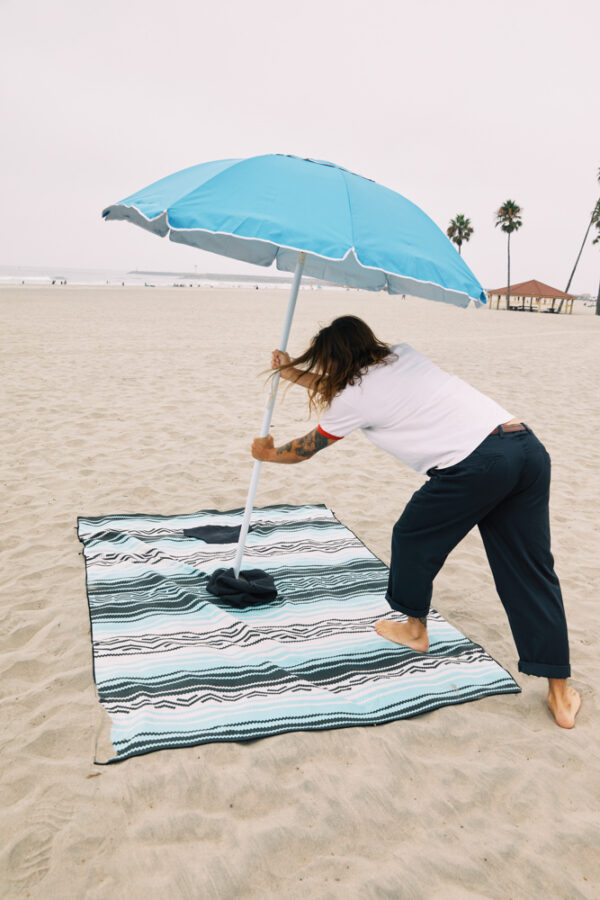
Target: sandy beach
<point>122,400</point>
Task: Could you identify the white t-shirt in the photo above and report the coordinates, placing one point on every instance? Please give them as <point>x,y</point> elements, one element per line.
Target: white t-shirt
<point>414,410</point>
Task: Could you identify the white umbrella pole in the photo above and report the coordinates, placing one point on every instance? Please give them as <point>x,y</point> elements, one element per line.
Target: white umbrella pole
<point>268,413</point>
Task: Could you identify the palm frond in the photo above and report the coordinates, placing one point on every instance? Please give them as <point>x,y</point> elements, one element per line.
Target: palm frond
<point>508,216</point>
<point>460,229</point>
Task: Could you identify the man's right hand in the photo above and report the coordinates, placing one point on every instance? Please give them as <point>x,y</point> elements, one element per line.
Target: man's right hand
<point>279,358</point>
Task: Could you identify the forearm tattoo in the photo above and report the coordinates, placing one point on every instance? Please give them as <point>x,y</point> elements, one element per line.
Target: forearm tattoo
<point>304,447</point>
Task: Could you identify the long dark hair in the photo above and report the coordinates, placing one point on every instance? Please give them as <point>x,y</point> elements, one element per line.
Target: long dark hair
<point>338,355</point>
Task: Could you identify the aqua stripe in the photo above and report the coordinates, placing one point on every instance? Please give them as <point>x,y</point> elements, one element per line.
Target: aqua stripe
<point>175,666</point>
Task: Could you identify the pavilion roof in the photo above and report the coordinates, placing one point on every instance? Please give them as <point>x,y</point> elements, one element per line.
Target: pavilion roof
<point>534,288</point>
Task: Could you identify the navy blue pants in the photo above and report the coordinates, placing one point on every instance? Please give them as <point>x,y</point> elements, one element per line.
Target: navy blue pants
<point>502,487</point>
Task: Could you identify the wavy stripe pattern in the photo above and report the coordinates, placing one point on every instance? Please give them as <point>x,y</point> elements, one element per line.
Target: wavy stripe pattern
<point>176,667</point>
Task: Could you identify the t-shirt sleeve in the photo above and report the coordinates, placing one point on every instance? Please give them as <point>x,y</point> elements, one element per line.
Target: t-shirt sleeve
<point>339,419</point>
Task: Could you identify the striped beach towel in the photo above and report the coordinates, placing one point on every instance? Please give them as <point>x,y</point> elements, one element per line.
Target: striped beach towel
<point>176,667</point>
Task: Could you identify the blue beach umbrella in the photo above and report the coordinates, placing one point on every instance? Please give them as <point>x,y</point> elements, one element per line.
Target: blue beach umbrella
<point>310,217</point>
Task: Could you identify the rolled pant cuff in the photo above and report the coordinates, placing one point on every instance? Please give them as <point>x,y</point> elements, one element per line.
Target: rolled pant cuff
<point>544,670</point>
<point>406,610</point>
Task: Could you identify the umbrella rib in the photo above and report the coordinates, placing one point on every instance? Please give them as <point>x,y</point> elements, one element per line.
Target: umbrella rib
<point>343,176</point>
<point>165,212</point>
<point>343,173</point>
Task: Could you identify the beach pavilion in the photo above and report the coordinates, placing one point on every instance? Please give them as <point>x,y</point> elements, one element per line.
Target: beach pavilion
<point>533,290</point>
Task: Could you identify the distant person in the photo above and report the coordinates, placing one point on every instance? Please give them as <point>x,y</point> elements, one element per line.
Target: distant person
<point>484,468</point>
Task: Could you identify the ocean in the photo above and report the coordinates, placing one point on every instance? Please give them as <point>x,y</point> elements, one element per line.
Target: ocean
<point>48,275</point>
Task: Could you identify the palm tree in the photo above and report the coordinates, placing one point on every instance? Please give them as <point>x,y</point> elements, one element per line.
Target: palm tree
<point>596,216</point>
<point>594,220</point>
<point>459,230</point>
<point>508,217</point>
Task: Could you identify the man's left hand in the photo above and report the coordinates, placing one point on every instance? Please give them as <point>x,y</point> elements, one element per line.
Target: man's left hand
<point>262,448</point>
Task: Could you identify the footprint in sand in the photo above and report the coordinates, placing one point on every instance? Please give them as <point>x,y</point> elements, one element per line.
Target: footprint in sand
<point>29,858</point>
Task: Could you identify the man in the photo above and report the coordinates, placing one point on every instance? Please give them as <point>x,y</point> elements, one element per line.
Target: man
<point>485,468</point>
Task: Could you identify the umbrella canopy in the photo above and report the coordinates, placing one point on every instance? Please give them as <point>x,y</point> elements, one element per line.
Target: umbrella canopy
<point>311,217</point>
<point>269,208</point>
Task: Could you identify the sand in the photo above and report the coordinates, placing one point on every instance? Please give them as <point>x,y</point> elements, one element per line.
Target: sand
<point>146,400</point>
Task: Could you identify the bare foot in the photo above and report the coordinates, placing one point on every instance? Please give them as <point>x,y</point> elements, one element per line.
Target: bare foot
<point>564,706</point>
<point>410,634</point>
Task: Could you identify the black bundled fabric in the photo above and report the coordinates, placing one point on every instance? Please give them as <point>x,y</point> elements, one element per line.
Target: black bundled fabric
<point>215,534</point>
<point>253,587</point>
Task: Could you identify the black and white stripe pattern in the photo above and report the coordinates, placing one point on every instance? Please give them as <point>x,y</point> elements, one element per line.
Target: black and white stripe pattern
<point>175,666</point>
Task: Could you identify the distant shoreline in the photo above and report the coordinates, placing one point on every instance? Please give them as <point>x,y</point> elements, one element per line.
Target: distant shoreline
<point>222,276</point>
<point>52,275</point>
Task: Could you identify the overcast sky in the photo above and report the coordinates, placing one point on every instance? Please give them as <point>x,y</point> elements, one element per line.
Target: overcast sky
<point>457,105</point>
